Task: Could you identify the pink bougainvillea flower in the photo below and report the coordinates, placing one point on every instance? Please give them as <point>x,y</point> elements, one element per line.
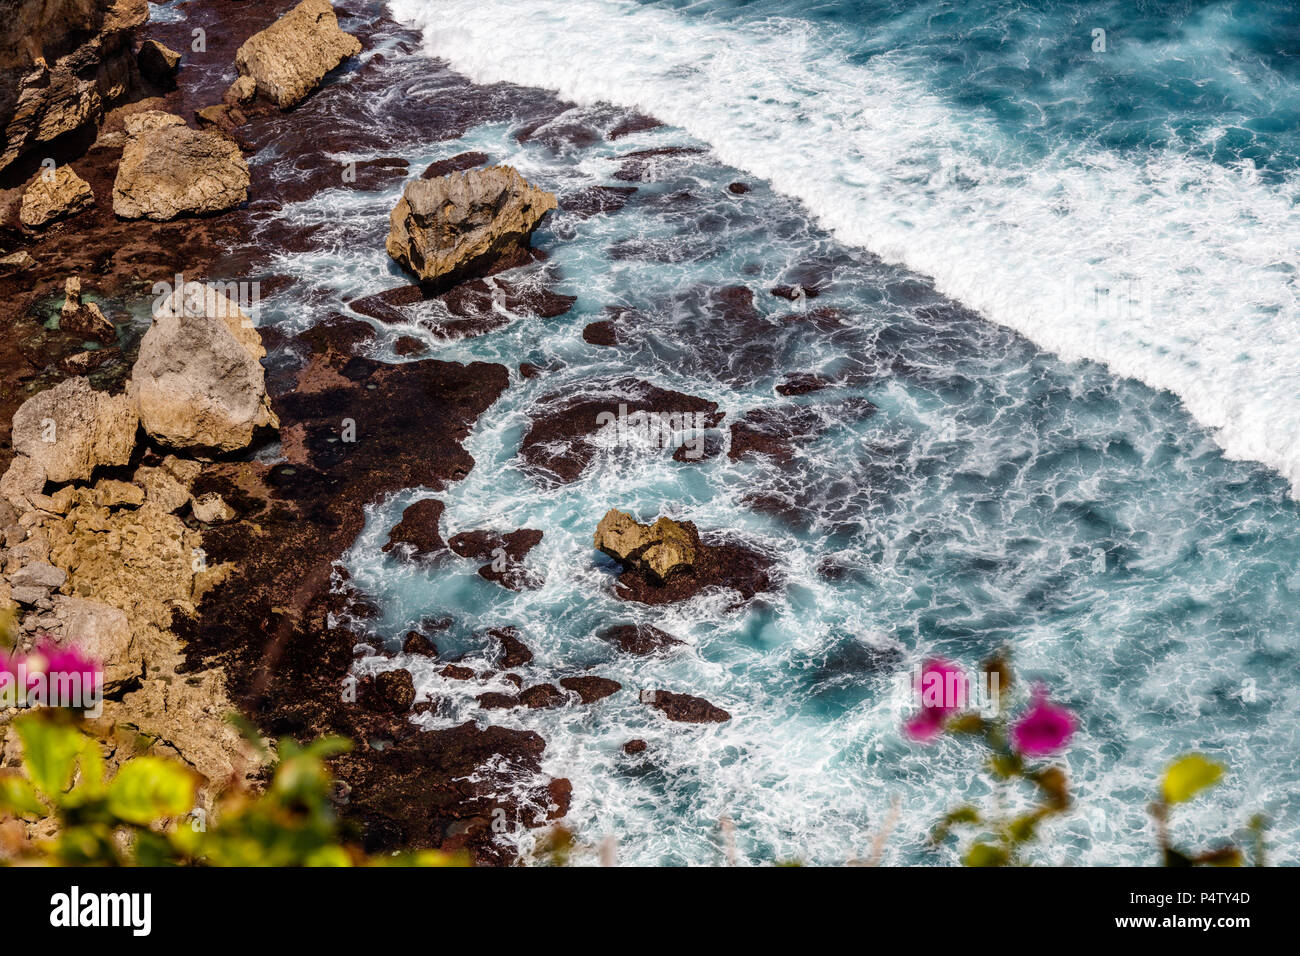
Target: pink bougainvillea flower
<point>942,692</point>
<point>1044,728</point>
<point>62,660</point>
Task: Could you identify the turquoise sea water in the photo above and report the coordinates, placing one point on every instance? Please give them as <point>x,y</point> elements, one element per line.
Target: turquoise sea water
<point>1065,282</point>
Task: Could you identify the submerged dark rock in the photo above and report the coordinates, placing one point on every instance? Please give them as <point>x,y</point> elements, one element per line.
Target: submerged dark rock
<point>591,688</point>
<point>644,165</point>
<point>555,445</point>
<point>455,164</point>
<point>542,696</point>
<point>514,652</point>
<point>698,450</point>
<point>418,529</point>
<point>596,200</point>
<point>417,643</point>
<point>504,553</point>
<point>636,123</point>
<point>802,383</point>
<point>603,332</point>
<point>686,709</point>
<point>639,638</point>
<point>470,308</point>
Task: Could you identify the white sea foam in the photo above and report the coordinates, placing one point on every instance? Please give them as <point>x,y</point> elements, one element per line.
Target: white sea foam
<point>1167,268</point>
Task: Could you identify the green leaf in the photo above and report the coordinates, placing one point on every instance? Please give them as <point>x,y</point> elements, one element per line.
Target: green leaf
<point>959,815</point>
<point>1023,828</point>
<point>328,856</point>
<point>1189,776</point>
<point>18,796</point>
<point>50,751</point>
<point>148,789</point>
<point>984,854</point>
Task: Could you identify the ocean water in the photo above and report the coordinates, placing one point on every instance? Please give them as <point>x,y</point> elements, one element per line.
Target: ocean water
<point>1065,281</point>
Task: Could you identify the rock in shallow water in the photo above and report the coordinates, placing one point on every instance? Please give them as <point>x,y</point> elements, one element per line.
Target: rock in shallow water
<point>686,709</point>
<point>661,549</point>
<point>724,564</point>
<point>291,56</point>
<point>591,688</point>
<point>417,532</point>
<point>84,318</point>
<point>639,638</point>
<point>465,224</point>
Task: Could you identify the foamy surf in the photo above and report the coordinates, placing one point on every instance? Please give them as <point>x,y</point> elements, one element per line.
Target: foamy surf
<point>1167,268</point>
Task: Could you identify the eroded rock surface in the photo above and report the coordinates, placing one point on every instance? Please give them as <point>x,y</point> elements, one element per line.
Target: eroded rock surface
<point>289,58</point>
<point>62,63</point>
<point>660,549</point>
<point>465,224</point>
<point>71,429</point>
<point>59,195</point>
<point>681,565</point>
<point>169,170</point>
<point>198,381</point>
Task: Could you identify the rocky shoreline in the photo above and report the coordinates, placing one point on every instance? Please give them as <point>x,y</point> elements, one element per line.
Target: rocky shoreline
<point>208,546</point>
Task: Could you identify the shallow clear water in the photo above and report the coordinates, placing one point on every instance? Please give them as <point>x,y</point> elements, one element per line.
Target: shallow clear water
<point>1000,493</point>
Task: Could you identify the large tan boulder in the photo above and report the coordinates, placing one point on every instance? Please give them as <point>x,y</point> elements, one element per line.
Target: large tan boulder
<point>461,225</point>
<point>71,429</point>
<point>199,381</point>
<point>292,55</point>
<point>169,170</point>
<point>54,196</point>
<point>662,549</point>
<point>103,633</point>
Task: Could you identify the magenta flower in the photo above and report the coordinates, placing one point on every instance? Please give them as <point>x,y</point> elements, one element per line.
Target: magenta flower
<point>1044,728</point>
<point>942,691</point>
<point>62,660</point>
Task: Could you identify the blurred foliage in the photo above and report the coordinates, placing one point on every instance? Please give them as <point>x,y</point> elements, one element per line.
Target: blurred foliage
<point>147,814</point>
<point>1000,836</point>
<point>1183,780</point>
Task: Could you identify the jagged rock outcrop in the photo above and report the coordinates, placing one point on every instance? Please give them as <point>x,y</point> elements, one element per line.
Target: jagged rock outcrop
<point>199,382</point>
<point>70,429</point>
<point>62,63</point>
<point>54,195</point>
<point>84,318</point>
<point>462,225</point>
<point>661,549</point>
<point>292,55</point>
<point>668,562</point>
<point>158,62</point>
<point>169,170</point>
